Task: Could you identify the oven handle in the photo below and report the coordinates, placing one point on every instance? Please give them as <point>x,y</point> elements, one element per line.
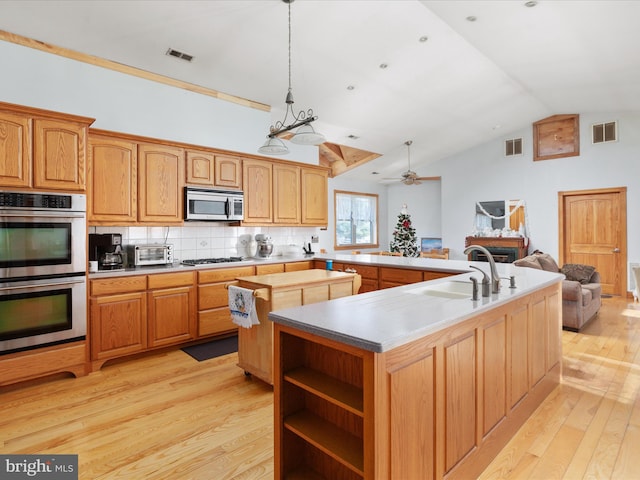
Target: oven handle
<point>57,283</point>
<point>41,214</point>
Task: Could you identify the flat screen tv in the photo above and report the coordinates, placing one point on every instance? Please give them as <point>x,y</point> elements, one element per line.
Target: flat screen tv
<point>430,243</point>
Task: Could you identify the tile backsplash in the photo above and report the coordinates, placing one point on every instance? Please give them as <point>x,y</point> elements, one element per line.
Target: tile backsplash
<point>210,240</point>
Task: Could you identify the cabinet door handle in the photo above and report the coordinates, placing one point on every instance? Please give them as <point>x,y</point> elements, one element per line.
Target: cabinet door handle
<point>616,250</point>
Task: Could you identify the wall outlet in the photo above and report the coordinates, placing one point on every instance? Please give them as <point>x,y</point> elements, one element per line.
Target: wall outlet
<point>314,239</point>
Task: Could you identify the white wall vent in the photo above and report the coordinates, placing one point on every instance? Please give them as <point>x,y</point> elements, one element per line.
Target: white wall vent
<point>604,132</point>
<point>513,147</point>
<point>182,56</point>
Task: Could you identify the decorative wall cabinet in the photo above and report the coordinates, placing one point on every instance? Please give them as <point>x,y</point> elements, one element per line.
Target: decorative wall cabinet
<point>314,196</point>
<point>160,184</point>
<point>211,170</point>
<point>258,191</point>
<point>286,194</point>
<point>42,149</point>
<point>200,168</point>
<point>556,136</point>
<point>228,172</point>
<point>113,180</point>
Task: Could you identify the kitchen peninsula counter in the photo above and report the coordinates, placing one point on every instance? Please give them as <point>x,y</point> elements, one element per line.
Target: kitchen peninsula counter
<point>400,383</point>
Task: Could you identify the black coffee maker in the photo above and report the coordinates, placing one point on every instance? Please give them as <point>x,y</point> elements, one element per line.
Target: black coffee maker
<point>106,249</point>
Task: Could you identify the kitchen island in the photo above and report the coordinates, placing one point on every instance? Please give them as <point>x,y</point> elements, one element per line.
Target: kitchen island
<point>417,381</point>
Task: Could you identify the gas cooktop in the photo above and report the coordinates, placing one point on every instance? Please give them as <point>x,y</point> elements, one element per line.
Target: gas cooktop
<point>204,261</point>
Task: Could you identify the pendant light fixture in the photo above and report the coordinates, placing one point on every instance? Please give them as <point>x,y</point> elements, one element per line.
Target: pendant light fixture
<point>305,135</point>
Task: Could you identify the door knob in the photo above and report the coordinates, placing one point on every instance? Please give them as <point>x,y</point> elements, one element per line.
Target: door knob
<point>616,250</point>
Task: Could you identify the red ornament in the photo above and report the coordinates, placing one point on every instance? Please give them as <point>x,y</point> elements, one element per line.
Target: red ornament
<point>406,224</point>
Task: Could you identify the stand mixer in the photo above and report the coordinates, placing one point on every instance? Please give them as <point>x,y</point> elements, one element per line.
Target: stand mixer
<point>264,247</point>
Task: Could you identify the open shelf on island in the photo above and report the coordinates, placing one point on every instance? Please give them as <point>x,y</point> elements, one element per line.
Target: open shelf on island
<point>339,393</point>
<point>327,437</point>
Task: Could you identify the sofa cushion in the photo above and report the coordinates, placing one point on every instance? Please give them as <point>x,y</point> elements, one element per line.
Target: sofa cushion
<point>578,272</point>
<point>586,297</point>
<point>547,262</point>
<point>531,261</point>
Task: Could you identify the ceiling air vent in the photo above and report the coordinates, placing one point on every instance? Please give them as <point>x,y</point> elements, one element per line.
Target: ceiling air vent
<point>513,147</point>
<point>182,56</point>
<point>604,132</point>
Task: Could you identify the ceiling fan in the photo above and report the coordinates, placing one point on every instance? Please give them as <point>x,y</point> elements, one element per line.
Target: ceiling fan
<point>409,177</point>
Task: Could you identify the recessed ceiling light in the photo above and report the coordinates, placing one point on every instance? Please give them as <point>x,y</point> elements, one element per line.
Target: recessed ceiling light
<point>383,66</point>
<point>350,87</point>
<point>531,3</point>
<point>375,173</point>
<point>423,39</point>
<point>472,18</point>
<point>353,137</point>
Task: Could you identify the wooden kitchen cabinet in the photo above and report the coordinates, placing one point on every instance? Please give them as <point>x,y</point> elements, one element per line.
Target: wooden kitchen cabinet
<point>59,154</point>
<point>118,317</point>
<point>286,194</point>
<point>160,184</point>
<point>298,266</point>
<point>394,277</point>
<point>113,180</point>
<point>171,309</point>
<point>258,191</point>
<point>213,299</point>
<point>228,172</point>
<point>200,168</point>
<point>42,149</point>
<point>314,196</point>
<point>15,150</point>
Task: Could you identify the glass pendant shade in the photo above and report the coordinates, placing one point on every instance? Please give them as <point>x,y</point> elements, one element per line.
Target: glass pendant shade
<point>306,135</point>
<point>273,146</point>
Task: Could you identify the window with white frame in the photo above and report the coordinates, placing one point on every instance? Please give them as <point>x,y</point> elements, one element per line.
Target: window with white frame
<point>356,220</point>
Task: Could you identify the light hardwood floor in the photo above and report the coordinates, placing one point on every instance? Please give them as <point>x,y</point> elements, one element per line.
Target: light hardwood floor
<point>166,416</point>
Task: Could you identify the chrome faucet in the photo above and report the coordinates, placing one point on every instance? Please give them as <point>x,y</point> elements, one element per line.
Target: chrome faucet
<point>495,278</point>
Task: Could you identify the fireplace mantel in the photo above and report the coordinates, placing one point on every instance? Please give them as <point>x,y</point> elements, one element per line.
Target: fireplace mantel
<point>504,249</point>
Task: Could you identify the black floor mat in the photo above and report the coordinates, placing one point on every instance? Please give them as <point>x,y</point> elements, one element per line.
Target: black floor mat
<point>215,348</point>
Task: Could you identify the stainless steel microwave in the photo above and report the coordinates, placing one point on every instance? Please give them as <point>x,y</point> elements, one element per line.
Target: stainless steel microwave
<point>203,204</point>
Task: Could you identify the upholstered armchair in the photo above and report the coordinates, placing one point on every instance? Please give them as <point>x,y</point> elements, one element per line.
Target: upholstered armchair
<point>581,290</point>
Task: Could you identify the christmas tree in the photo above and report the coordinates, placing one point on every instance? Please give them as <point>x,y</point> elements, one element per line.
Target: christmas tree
<point>404,236</point>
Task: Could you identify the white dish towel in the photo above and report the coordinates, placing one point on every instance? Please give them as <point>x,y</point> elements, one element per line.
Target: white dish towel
<point>242,304</point>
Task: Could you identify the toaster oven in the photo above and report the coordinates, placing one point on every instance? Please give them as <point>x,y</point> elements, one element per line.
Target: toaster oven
<point>148,255</point>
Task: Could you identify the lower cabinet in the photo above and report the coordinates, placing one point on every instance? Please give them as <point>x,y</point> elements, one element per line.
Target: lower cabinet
<point>213,299</point>
<point>132,314</point>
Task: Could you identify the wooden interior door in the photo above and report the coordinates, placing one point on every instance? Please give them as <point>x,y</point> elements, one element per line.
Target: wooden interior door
<point>593,231</point>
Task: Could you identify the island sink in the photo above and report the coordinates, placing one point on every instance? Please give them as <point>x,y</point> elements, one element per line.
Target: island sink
<point>451,290</point>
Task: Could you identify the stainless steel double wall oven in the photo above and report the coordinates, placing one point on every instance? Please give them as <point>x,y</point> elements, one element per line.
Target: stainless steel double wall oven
<point>43,263</point>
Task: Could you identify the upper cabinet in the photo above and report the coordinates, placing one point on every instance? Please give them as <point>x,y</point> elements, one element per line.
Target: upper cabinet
<point>160,184</point>
<point>41,149</point>
<point>228,172</point>
<point>314,196</point>
<point>286,194</point>
<point>258,187</point>
<point>15,150</point>
<point>208,169</point>
<point>113,180</point>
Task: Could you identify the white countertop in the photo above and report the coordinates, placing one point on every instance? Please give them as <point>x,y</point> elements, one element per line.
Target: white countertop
<point>178,267</point>
<point>384,319</point>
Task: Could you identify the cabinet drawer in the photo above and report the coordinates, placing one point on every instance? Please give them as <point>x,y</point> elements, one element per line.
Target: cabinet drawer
<point>338,290</point>
<point>297,266</point>
<point>212,296</point>
<point>267,269</point>
<point>400,275</point>
<point>433,275</point>
<point>215,321</point>
<point>166,280</point>
<point>365,271</point>
<point>224,274</point>
<point>118,285</point>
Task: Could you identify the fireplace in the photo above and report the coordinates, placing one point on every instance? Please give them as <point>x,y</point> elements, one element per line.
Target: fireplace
<point>503,249</point>
<point>500,255</point>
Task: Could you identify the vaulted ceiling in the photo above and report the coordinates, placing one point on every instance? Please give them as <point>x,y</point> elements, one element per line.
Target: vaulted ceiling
<point>448,75</point>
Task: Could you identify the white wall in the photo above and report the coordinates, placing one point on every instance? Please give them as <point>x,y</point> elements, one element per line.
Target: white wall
<point>484,174</point>
<point>423,204</point>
